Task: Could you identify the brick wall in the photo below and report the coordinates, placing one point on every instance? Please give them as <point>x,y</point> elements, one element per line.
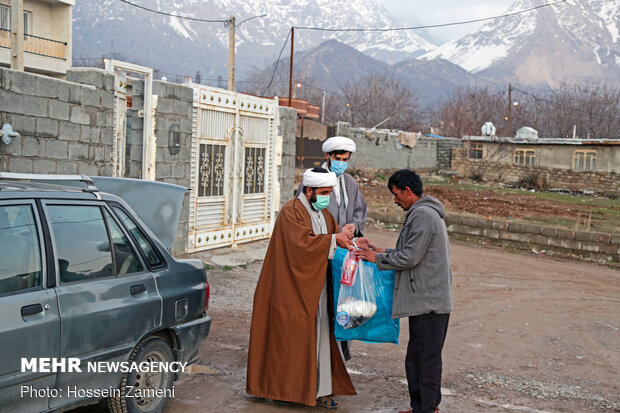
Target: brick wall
<point>608,182</point>
<point>58,120</point>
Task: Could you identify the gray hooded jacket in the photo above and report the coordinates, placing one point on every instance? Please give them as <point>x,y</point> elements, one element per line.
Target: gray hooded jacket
<point>421,259</point>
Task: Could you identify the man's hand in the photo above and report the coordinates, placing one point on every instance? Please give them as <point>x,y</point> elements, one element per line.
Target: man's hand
<point>365,244</point>
<point>343,241</point>
<point>349,229</point>
<point>366,255</point>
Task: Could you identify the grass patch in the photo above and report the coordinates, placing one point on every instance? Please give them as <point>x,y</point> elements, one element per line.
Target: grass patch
<point>208,267</point>
<point>227,268</point>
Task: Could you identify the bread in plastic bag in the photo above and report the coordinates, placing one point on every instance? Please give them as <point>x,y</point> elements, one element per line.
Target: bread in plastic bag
<point>356,301</point>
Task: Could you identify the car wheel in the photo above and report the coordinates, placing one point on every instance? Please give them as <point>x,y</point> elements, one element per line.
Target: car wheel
<point>145,392</point>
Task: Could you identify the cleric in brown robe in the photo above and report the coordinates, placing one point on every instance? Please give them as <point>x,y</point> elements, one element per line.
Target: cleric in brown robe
<point>293,355</point>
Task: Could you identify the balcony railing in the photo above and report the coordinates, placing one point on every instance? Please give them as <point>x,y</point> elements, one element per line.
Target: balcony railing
<point>37,45</point>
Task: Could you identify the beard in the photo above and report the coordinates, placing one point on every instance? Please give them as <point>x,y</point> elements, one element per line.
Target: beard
<point>313,197</point>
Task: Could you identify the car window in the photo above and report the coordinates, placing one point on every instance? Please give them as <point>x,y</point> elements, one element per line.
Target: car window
<point>82,244</point>
<point>126,260</point>
<point>20,251</point>
<point>152,257</point>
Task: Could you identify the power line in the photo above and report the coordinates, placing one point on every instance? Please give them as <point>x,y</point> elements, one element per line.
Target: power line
<point>431,26</point>
<point>174,15</point>
<point>277,62</point>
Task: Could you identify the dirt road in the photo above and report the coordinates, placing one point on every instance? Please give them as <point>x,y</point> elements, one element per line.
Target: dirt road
<point>528,334</point>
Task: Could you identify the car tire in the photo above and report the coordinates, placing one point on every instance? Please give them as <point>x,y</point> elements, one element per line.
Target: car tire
<point>133,398</point>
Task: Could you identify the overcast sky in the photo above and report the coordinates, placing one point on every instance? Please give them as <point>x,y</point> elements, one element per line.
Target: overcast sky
<point>424,12</point>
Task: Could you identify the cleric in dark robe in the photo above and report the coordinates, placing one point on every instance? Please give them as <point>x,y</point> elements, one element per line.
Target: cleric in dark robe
<point>293,355</point>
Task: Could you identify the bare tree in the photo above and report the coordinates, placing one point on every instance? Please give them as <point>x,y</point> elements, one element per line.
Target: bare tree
<point>378,99</point>
<point>593,110</point>
<point>469,108</point>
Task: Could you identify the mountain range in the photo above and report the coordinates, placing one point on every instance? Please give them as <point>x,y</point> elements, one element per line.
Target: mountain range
<point>574,40</point>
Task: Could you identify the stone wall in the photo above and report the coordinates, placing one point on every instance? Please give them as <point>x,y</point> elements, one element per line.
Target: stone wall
<point>595,246</point>
<point>590,245</point>
<point>445,146</point>
<point>58,120</point>
<point>286,176</point>
<point>608,182</point>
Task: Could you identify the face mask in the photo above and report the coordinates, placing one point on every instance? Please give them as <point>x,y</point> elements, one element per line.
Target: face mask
<point>322,201</point>
<point>338,167</point>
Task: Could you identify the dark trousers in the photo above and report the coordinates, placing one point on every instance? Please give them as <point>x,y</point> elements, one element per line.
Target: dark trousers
<point>427,333</point>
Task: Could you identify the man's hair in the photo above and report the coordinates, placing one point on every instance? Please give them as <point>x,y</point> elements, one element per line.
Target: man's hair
<point>337,152</point>
<point>405,178</point>
<point>319,170</point>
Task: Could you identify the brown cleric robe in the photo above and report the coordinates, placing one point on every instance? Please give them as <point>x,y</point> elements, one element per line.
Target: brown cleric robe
<point>282,358</point>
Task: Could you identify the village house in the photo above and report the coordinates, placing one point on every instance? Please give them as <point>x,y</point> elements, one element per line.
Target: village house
<point>526,148</point>
<point>47,36</point>
<point>572,163</point>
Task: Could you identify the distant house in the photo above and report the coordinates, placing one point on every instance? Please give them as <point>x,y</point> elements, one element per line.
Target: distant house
<point>47,36</point>
<point>589,155</point>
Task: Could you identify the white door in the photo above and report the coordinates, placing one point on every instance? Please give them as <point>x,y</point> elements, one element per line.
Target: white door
<point>234,176</point>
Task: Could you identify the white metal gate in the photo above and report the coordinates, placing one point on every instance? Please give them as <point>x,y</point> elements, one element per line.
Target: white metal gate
<point>233,176</point>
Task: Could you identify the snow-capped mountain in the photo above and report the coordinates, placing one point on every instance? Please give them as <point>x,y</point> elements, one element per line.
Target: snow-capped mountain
<point>180,46</point>
<point>577,40</point>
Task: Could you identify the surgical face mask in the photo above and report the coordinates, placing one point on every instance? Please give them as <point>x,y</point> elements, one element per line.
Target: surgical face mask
<point>338,167</point>
<point>322,201</point>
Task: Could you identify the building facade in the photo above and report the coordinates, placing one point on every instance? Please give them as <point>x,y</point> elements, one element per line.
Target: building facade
<point>47,36</point>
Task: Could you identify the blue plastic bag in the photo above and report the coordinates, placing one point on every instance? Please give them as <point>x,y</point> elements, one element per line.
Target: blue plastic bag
<point>381,328</point>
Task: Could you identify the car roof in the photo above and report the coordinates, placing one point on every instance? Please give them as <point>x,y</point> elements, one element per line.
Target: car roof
<point>22,189</point>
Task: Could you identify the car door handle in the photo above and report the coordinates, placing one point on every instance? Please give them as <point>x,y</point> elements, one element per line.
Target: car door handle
<point>137,289</point>
<point>31,309</point>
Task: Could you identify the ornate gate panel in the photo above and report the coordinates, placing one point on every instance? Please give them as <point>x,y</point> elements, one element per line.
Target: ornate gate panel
<point>233,150</point>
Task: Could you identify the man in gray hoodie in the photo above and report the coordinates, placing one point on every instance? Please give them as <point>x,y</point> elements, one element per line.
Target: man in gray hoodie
<point>422,285</point>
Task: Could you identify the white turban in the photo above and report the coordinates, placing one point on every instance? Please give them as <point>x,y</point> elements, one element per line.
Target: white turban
<point>319,179</point>
<point>338,143</point>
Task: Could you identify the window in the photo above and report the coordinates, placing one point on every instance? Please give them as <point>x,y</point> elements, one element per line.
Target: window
<point>584,161</point>
<point>476,151</point>
<point>82,244</point>
<point>151,255</point>
<point>125,258</point>
<point>20,251</point>
<point>27,22</point>
<point>525,157</point>
<point>5,19</point>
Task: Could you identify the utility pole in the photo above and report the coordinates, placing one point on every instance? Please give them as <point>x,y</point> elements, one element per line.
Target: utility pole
<point>290,74</point>
<point>231,53</point>
<point>17,35</point>
<point>323,109</point>
<point>509,109</point>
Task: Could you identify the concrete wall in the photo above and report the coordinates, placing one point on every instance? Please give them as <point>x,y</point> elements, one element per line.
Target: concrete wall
<point>58,121</point>
<point>591,245</point>
<point>286,176</point>
<point>67,127</point>
<point>607,182</point>
<point>377,149</point>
